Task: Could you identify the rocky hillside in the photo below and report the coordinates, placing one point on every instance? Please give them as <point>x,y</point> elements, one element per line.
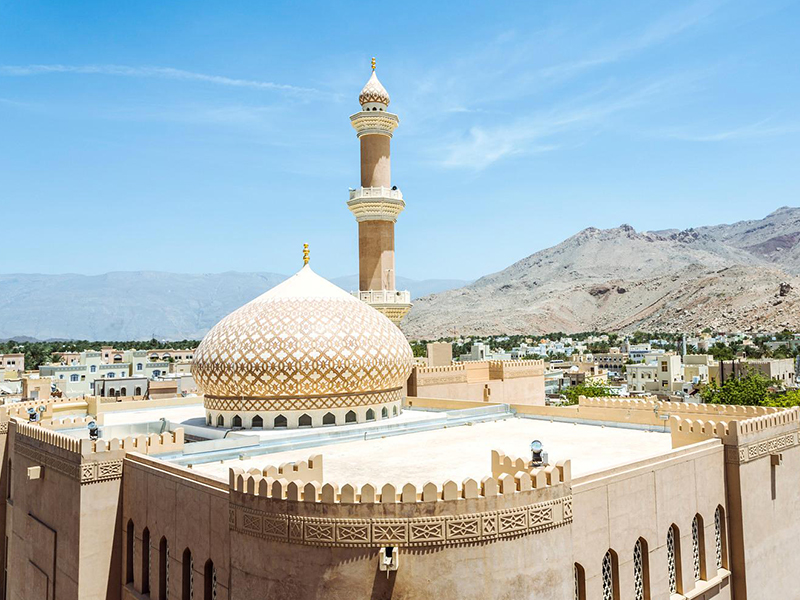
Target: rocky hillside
<point>725,276</point>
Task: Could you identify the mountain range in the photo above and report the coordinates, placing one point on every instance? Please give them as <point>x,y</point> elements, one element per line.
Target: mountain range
<point>137,305</point>
<point>738,277</point>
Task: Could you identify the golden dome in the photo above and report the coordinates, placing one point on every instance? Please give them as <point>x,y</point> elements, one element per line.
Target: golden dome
<point>373,92</point>
<point>303,344</point>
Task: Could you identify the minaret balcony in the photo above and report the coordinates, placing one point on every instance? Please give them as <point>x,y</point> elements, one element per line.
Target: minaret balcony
<point>384,296</point>
<point>369,122</point>
<point>376,203</point>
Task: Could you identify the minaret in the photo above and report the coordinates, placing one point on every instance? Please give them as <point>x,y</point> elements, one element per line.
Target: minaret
<point>377,203</point>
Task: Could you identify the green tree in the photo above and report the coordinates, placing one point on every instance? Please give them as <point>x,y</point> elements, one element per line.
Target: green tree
<point>590,390</point>
<point>752,389</point>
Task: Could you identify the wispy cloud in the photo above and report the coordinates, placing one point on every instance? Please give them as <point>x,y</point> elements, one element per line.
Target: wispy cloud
<point>656,33</point>
<point>761,129</point>
<point>483,146</point>
<point>152,72</point>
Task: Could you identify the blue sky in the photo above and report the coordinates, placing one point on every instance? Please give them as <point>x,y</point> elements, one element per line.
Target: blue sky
<point>214,136</point>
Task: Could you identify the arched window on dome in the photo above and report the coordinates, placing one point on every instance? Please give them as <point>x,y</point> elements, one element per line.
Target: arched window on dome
<point>280,422</point>
<point>384,413</point>
<point>257,421</point>
<point>187,584</point>
<point>329,419</point>
<point>236,421</point>
<point>370,414</point>
<point>220,421</point>
<point>394,411</point>
<point>304,421</point>
<point>209,420</point>
<point>350,417</point>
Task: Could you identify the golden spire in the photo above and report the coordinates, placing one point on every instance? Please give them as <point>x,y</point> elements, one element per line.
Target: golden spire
<point>373,63</point>
<point>305,254</point>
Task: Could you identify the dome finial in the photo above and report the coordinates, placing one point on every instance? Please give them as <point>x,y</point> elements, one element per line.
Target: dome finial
<point>373,63</point>
<point>305,254</point>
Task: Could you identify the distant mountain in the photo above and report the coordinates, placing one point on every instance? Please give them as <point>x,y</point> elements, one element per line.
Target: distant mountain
<point>140,304</point>
<point>724,276</point>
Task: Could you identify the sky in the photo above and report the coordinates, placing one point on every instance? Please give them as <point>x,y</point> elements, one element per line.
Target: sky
<point>207,137</point>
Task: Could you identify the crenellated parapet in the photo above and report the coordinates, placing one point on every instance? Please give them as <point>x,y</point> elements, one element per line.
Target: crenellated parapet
<point>719,411</point>
<point>84,460</point>
<point>746,439</point>
<point>333,514</point>
<point>512,369</point>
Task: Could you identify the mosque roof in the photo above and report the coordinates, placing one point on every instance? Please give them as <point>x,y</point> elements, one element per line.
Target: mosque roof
<point>303,338</point>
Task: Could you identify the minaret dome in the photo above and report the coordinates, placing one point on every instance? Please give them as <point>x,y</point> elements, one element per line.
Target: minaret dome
<point>374,96</point>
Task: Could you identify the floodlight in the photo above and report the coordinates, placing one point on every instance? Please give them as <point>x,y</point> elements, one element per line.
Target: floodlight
<point>537,453</point>
<point>94,432</point>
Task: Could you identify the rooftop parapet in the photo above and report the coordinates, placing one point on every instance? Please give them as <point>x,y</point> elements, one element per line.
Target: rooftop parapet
<point>154,443</point>
<point>272,482</point>
<point>721,410</point>
<point>48,437</point>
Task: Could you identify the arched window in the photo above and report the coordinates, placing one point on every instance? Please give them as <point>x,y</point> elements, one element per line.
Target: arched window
<point>130,538</point>
<point>157,373</point>
<point>163,569</point>
<point>73,377</point>
<point>209,420</point>
<point>139,366</point>
<point>698,549</point>
<point>209,581</point>
<point>280,422</point>
<point>674,560</point>
<point>350,417</point>
<point>641,571</point>
<point>220,421</point>
<point>370,414</point>
<point>720,541</point>
<point>580,582</point>
<point>123,391</point>
<point>258,421</point>
<point>329,419</point>
<point>237,421</point>
<point>610,573</point>
<point>138,392</point>
<point>304,421</point>
<point>384,413</point>
<point>394,411</point>
<point>187,583</point>
<point>146,561</point>
<point>93,368</point>
<point>112,375</point>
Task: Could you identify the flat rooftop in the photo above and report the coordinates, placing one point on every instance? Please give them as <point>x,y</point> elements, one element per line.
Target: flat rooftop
<point>465,451</point>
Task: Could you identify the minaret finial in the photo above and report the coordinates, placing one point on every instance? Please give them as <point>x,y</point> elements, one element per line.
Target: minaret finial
<point>305,254</point>
<point>373,63</point>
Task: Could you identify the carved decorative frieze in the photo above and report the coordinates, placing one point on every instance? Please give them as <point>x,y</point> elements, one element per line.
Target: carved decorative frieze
<point>444,530</point>
<point>90,472</point>
<point>746,453</point>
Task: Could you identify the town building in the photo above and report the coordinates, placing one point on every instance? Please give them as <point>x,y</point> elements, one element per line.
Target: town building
<point>12,363</point>
<point>782,370</point>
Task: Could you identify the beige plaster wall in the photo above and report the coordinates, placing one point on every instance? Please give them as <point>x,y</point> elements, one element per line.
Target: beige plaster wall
<point>614,508</point>
<point>189,509</point>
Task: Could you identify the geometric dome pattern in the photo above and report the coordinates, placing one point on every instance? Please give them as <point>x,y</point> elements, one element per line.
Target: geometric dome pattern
<point>304,338</point>
<point>373,92</point>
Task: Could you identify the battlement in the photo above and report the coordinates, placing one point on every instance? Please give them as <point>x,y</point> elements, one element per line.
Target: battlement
<point>266,484</point>
<point>689,431</point>
<point>651,404</point>
<point>48,437</point>
<point>154,443</point>
<point>511,465</point>
<point>70,422</point>
<point>785,418</point>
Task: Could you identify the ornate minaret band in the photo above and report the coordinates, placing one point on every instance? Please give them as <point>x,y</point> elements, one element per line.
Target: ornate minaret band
<point>376,204</point>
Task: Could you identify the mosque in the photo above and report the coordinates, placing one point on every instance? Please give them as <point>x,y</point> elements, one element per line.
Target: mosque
<point>306,471</point>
